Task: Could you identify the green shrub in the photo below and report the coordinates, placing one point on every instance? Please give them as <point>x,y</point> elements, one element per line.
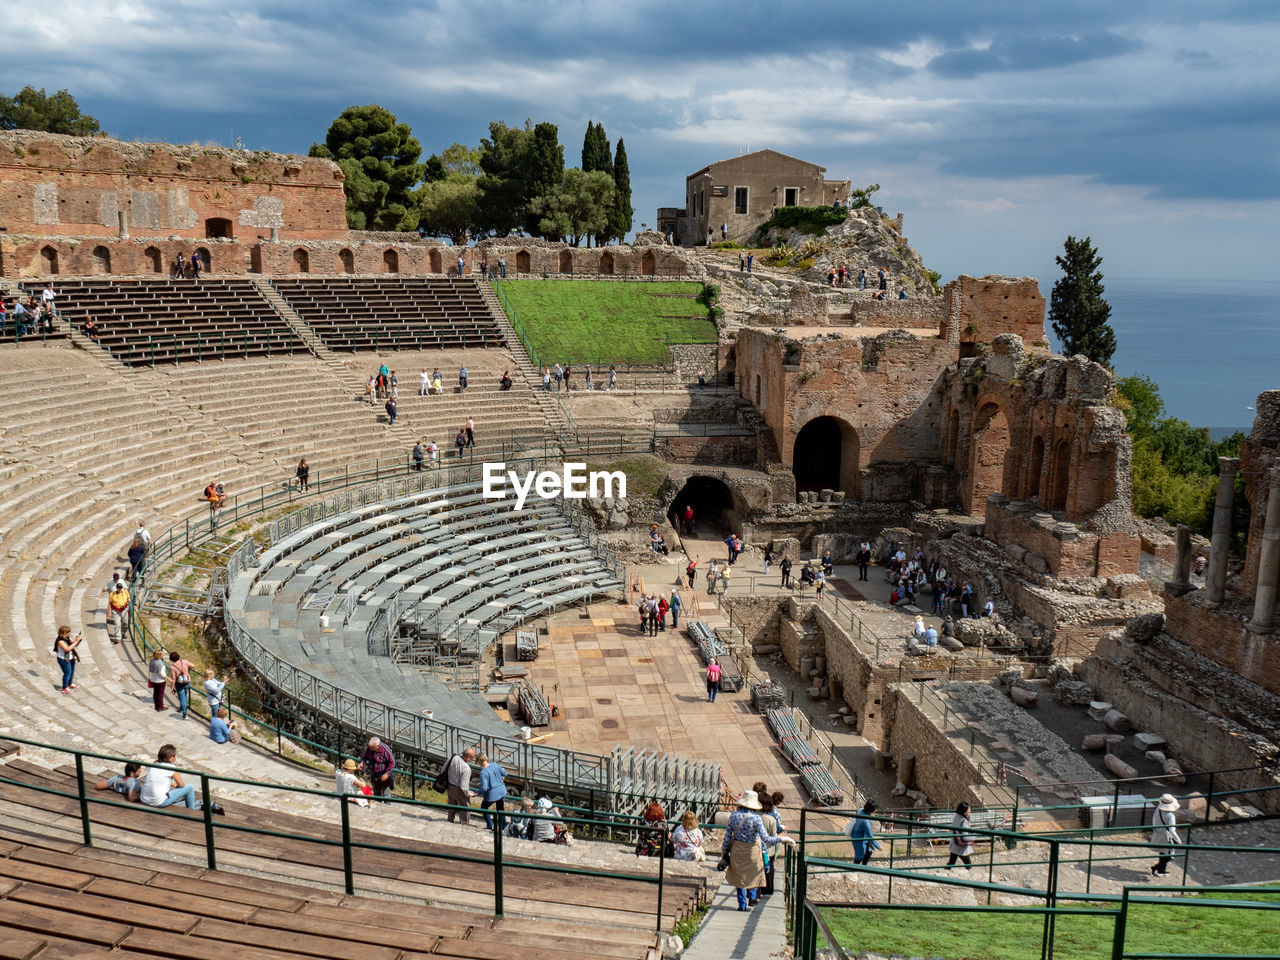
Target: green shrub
<point>805,219</point>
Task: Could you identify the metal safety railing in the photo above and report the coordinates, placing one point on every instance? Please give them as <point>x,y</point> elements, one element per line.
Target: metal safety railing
<point>498,860</point>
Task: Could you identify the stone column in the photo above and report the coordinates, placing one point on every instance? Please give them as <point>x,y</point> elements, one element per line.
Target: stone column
<point>1217,573</point>
<point>275,234</point>
<point>1181,582</point>
<point>122,217</point>
<point>1264,597</point>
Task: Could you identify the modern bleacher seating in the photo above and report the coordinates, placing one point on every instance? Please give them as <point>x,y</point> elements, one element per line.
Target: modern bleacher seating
<point>147,892</point>
<point>392,312</point>
<point>164,321</point>
<point>460,569</point>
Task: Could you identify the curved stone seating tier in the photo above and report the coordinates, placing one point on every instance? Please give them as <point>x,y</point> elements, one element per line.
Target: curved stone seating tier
<point>315,616</point>
<point>369,313</point>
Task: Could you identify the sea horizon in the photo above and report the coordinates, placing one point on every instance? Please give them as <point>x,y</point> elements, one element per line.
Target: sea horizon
<point>1210,345</point>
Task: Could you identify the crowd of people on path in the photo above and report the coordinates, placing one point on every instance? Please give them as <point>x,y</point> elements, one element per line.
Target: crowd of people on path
<point>653,609</point>
<point>560,377</point>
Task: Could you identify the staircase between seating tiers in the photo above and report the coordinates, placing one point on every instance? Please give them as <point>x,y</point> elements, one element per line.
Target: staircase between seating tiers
<point>552,411</point>
<point>317,346</point>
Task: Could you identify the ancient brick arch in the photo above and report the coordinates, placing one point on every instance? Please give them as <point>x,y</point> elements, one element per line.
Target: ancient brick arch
<point>606,263</point>
<point>301,261</point>
<point>826,454</point>
<point>566,261</point>
<point>101,260</point>
<point>206,259</point>
<point>154,259</point>
<point>1035,467</point>
<point>988,448</point>
<point>390,261</point>
<point>435,262</point>
<point>49,260</point>
<point>1059,476</point>
<point>524,262</point>
<point>648,264</point>
<point>346,261</point>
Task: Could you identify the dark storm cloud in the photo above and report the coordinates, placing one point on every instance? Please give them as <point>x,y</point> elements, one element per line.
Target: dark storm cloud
<point>1019,52</point>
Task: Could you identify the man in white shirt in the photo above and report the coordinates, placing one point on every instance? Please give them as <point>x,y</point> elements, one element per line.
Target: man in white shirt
<point>48,298</point>
<point>424,383</point>
<point>143,534</point>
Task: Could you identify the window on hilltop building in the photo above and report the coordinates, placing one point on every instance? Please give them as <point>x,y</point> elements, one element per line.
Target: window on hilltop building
<point>739,200</point>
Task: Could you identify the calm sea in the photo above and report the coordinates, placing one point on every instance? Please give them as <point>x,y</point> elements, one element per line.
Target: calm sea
<point>1211,346</point>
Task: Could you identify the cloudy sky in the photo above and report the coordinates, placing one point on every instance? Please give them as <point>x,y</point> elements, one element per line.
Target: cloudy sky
<point>997,129</point>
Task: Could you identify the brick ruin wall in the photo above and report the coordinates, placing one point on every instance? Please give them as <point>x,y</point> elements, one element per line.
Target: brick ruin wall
<point>79,206</point>
<point>79,187</point>
<point>945,774</point>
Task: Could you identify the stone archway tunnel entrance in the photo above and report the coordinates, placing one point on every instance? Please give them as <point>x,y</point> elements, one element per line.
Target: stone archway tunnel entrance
<point>825,457</point>
<point>714,516</point>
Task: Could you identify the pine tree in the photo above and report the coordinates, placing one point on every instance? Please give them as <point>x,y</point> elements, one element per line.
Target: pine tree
<point>545,168</point>
<point>1076,308</point>
<point>591,148</point>
<point>620,219</point>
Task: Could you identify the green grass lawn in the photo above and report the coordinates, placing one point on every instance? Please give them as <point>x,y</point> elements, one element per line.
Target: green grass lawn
<point>1152,928</point>
<point>607,321</point>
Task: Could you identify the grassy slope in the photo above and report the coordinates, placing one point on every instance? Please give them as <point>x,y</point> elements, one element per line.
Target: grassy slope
<point>1151,929</point>
<point>604,321</point>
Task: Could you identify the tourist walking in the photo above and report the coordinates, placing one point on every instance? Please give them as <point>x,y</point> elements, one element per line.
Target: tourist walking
<point>613,377</point>
<point>180,677</point>
<point>458,785</point>
<point>118,612</point>
<point>688,520</point>
<point>740,849</point>
<point>961,846</point>
<point>691,572</point>
<point>1165,832</point>
<point>702,378</point>
<point>675,610</point>
<point>785,566</point>
<point>64,651</point>
<point>424,383</point>
<point>493,791</point>
<point>471,432</point>
<point>768,558</point>
<point>380,763</point>
<point>303,473</point>
<point>462,378</point>
<point>568,372</point>
<point>861,831</point>
<point>750,259</point>
<point>559,375</point>
<point>158,678</point>
<point>862,279</point>
<point>713,577</point>
<point>502,267</point>
<point>391,411</point>
<point>713,679</point>
<point>418,456</point>
<point>884,279</point>
<point>863,560</point>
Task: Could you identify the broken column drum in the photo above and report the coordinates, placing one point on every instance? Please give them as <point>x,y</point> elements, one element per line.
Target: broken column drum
<point>1264,598</point>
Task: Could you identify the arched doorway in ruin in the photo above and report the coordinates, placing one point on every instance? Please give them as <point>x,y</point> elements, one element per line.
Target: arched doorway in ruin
<point>301,261</point>
<point>606,264</point>
<point>1035,467</point>
<point>101,260</point>
<point>824,456</point>
<point>988,448</point>
<point>346,261</point>
<point>49,260</point>
<point>434,262</point>
<point>206,259</point>
<point>566,261</point>
<point>714,516</point>
<point>155,263</point>
<point>524,262</point>
<point>1059,476</point>
<point>648,264</point>
<point>390,261</point>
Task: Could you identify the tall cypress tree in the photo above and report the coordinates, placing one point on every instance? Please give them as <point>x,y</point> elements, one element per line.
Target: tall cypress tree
<point>545,168</point>
<point>589,148</point>
<point>620,219</point>
<point>1076,308</point>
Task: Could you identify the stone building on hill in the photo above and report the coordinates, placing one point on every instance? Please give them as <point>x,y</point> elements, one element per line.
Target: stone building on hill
<point>743,192</point>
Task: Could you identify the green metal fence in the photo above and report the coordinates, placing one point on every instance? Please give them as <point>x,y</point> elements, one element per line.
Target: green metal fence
<point>497,859</point>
